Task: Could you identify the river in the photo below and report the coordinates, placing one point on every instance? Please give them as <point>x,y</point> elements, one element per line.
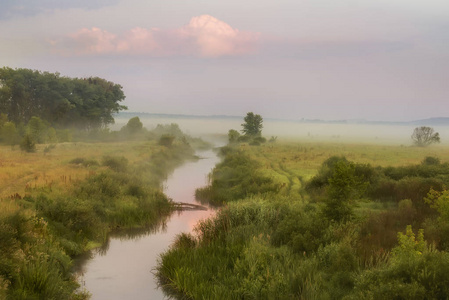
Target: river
<point>123,268</point>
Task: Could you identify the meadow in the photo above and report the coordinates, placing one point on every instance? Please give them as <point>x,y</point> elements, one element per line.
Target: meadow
<point>318,220</point>
<point>272,238</point>
<point>63,199</point>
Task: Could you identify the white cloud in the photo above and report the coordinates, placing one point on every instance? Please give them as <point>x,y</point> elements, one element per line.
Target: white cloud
<point>203,36</point>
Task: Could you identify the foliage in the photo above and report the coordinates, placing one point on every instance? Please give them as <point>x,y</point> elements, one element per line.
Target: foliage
<point>28,144</point>
<point>85,103</point>
<point>9,133</point>
<point>133,127</point>
<point>414,271</point>
<point>118,164</point>
<point>236,177</point>
<point>168,129</point>
<point>439,201</point>
<point>166,140</point>
<point>253,125</point>
<point>64,213</point>
<point>424,136</point>
<point>338,206</point>
<point>439,228</point>
<point>301,229</point>
<point>37,129</point>
<point>233,136</point>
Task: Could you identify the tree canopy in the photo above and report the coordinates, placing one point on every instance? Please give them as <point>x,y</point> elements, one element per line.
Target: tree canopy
<point>253,125</point>
<point>424,136</point>
<point>85,103</point>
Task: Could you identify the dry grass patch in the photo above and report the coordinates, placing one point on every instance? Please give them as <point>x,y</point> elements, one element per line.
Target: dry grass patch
<point>23,173</point>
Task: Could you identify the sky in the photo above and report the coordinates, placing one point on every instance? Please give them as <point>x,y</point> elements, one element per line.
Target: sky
<point>383,60</point>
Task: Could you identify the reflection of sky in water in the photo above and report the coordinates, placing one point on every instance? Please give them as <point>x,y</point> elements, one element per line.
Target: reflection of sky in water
<point>124,272</point>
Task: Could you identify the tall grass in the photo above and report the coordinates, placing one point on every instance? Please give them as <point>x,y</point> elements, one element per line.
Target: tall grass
<point>281,245</point>
<point>58,205</point>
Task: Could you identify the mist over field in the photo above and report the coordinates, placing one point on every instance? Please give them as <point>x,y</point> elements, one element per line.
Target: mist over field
<point>257,149</point>
<point>366,133</point>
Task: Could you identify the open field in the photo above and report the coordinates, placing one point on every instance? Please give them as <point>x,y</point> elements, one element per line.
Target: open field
<point>301,222</point>
<point>26,173</point>
<point>305,157</point>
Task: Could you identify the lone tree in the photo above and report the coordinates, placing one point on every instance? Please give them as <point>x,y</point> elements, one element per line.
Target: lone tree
<point>340,193</point>
<point>424,136</point>
<point>253,125</point>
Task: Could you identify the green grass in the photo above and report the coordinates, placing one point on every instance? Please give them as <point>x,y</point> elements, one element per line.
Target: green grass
<point>58,204</point>
<point>281,245</point>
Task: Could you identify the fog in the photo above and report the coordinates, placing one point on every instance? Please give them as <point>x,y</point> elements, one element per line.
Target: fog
<point>364,133</point>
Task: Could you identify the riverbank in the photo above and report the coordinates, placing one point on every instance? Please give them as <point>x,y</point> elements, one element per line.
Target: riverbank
<point>60,203</point>
<point>124,268</point>
<point>348,229</point>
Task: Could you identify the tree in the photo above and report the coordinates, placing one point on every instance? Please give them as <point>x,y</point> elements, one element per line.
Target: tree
<point>9,133</point>
<point>37,129</point>
<point>338,206</point>
<point>253,125</point>
<point>133,126</point>
<point>87,103</point>
<point>424,136</point>
<point>233,136</point>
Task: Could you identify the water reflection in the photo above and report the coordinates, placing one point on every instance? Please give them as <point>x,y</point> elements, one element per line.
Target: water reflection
<point>122,268</point>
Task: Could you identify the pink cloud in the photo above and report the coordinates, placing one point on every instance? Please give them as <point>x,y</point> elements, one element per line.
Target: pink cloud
<point>203,36</point>
<point>93,40</point>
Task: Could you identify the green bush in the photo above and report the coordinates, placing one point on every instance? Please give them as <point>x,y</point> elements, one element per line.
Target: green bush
<point>414,271</point>
<point>28,144</point>
<point>118,164</point>
<point>166,140</point>
<point>301,228</point>
<point>236,177</point>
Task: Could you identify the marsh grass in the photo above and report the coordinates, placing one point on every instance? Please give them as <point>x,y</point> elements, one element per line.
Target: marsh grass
<point>58,204</point>
<point>280,244</point>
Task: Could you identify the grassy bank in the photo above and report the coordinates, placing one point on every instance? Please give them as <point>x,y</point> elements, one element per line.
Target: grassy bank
<point>57,204</point>
<point>329,221</point>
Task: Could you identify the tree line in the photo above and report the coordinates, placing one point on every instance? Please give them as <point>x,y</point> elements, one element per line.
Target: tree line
<point>62,102</point>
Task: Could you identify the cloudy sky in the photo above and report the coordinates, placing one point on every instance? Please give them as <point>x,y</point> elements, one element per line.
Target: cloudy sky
<point>292,59</point>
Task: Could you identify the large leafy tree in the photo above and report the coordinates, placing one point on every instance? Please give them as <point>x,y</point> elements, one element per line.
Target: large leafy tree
<point>424,136</point>
<point>61,101</point>
<point>253,125</point>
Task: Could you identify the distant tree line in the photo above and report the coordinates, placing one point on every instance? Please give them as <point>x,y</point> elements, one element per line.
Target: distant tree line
<point>62,102</point>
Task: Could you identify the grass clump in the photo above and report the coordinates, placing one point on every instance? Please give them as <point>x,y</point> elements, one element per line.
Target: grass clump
<point>235,178</point>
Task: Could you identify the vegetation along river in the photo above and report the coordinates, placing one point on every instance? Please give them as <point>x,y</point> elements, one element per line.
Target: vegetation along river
<point>122,269</point>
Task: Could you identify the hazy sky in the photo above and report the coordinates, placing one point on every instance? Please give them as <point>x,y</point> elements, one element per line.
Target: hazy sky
<point>327,59</point>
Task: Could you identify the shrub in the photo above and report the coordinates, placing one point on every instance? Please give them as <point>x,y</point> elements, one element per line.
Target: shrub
<point>28,144</point>
<point>301,229</point>
<point>166,140</point>
<point>431,161</point>
<point>413,271</point>
<point>118,164</point>
<point>236,177</point>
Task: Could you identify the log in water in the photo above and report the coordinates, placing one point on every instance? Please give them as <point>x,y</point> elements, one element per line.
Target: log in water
<point>122,269</point>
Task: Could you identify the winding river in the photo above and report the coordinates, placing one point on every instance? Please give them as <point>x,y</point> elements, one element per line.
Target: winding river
<point>122,269</point>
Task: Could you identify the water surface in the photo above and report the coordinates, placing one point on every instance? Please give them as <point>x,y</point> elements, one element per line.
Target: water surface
<point>123,268</point>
